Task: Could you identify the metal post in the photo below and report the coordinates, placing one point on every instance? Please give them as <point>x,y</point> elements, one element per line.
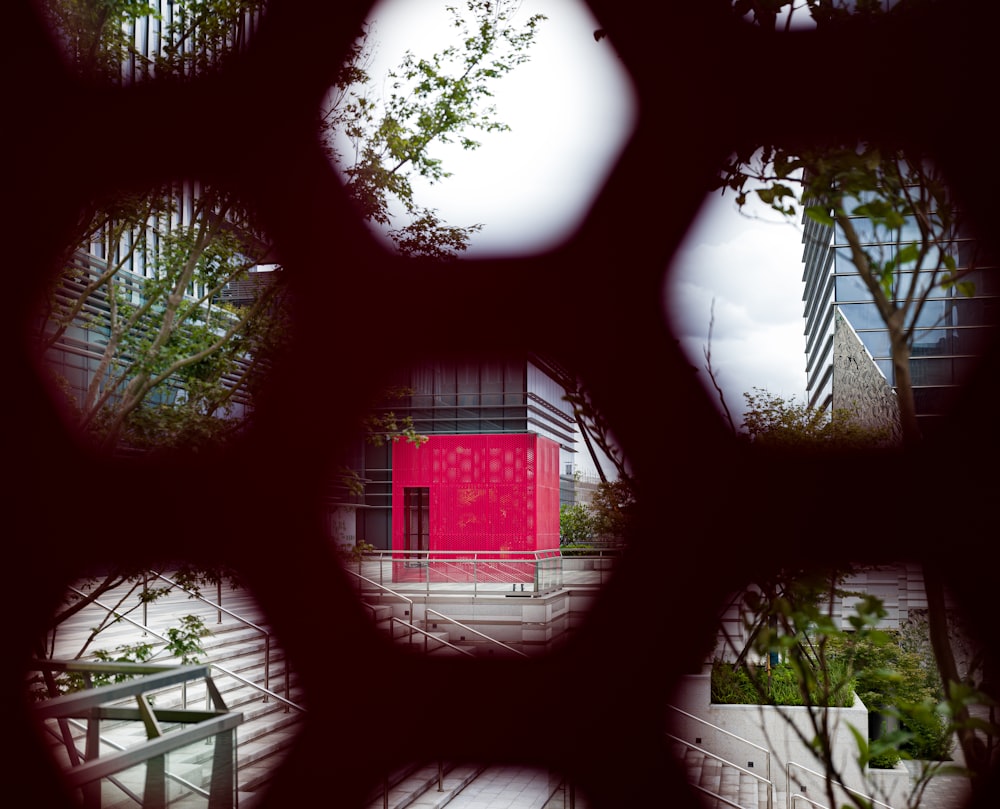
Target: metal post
<point>222,790</point>
<point>218,600</point>
<point>440,776</point>
<point>145,603</point>
<point>267,663</point>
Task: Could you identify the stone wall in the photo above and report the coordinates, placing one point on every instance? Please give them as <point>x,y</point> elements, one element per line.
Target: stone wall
<point>858,384</point>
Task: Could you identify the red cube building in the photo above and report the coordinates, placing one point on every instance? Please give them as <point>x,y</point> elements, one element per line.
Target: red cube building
<point>461,499</point>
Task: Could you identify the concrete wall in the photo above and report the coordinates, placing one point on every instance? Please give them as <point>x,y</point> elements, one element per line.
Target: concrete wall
<point>774,730</point>
<point>900,586</point>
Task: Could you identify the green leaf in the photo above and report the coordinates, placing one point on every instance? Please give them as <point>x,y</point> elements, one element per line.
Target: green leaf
<point>907,254</point>
<point>820,214</point>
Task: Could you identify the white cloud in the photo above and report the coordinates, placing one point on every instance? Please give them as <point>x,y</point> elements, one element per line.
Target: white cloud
<point>569,109</point>
<point>752,270</point>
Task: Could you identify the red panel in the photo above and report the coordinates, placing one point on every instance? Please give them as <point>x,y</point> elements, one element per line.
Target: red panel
<point>496,492</point>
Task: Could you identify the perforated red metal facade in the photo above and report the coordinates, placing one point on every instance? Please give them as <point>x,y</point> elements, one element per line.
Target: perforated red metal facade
<point>496,492</point>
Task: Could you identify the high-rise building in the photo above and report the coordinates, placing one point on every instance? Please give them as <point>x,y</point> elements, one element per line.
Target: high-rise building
<point>848,361</point>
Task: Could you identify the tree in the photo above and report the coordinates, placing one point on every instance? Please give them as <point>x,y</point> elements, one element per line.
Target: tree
<point>382,143</point>
<point>576,525</point>
<point>894,211</point>
<point>773,421</point>
<point>807,659</point>
<point>145,280</point>
<point>791,623</point>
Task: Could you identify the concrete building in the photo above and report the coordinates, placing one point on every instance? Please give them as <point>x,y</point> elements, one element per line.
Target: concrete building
<point>474,399</point>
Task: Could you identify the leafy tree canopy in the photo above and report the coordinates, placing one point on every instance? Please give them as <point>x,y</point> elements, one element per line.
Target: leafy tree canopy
<point>773,421</point>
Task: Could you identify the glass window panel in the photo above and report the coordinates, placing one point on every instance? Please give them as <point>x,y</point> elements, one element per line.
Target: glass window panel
<point>910,232</point>
<point>515,383</point>
<point>864,228</point>
<point>492,384</point>
<point>445,383</point>
<point>862,315</point>
<point>932,342</point>
<point>932,371</point>
<point>986,281</point>
<point>973,341</point>
<point>934,401</point>
<point>851,288</point>
<point>467,380</point>
<point>877,342</point>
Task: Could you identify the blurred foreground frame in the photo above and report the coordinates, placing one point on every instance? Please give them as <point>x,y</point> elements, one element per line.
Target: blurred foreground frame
<point>713,512</point>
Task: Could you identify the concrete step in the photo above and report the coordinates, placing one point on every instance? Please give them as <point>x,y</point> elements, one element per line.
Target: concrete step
<point>266,734</point>
<point>419,786</point>
<point>721,780</point>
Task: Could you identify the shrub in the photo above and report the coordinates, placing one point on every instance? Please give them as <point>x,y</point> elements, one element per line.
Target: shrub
<point>931,736</point>
<point>779,686</point>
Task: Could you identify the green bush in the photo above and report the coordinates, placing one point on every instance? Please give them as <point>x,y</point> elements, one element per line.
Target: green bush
<point>779,686</point>
<point>885,761</point>
<point>932,739</point>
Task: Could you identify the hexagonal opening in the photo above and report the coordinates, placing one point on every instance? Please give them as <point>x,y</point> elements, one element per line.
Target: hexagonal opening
<point>471,517</point>
<point>158,328</point>
<point>745,281</point>
<point>172,660</point>
<point>844,655</point>
<point>503,157</point>
<point>133,43</point>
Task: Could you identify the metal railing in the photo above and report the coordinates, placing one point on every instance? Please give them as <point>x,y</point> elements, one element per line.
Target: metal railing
<point>488,572</point>
<point>240,619</point>
<point>428,637</point>
<point>791,797</point>
<point>96,704</point>
<point>716,797</point>
<point>757,747</point>
<point>264,689</point>
<point>798,796</point>
<point>382,589</point>
<point>726,763</point>
<point>429,611</point>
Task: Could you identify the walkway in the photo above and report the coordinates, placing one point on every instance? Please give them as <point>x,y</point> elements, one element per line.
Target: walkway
<point>509,788</point>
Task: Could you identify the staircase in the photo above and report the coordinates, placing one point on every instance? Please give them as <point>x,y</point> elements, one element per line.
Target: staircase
<point>237,654</point>
<point>719,779</point>
<point>269,725</point>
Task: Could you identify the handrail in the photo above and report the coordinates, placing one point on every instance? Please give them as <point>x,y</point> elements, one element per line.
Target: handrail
<point>475,632</point>
<point>718,797</point>
<point>428,635</point>
<point>241,619</point>
<point>788,775</point>
<point>203,793</point>
<point>798,796</point>
<point>720,759</point>
<point>263,688</point>
<point>92,704</point>
<point>764,750</point>
<point>382,587</point>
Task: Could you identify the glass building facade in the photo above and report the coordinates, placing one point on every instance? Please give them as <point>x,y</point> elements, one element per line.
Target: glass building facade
<point>951,328</point>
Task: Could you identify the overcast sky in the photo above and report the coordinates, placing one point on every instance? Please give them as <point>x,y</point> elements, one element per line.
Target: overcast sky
<point>571,108</point>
